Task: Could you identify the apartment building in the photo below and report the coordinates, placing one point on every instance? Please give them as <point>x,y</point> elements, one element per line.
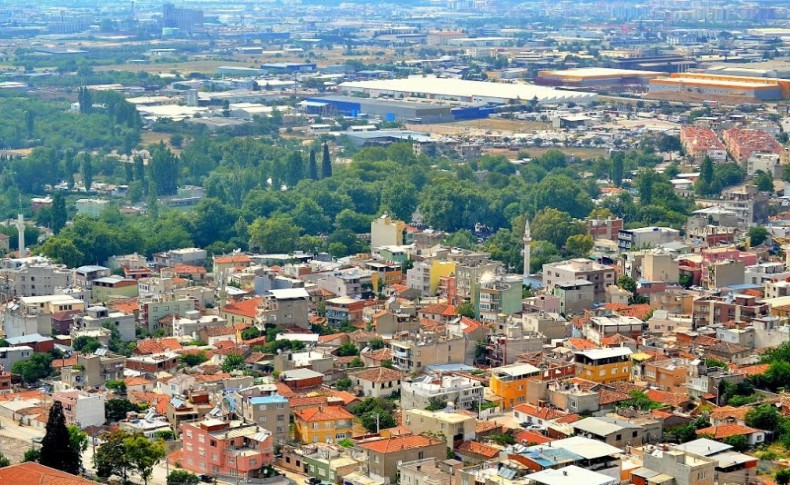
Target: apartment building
<point>455,428</point>
<point>413,355</point>
<point>463,392</point>
<point>384,455</point>
<point>599,275</point>
<point>263,406</point>
<point>509,383</point>
<point>81,408</point>
<point>222,449</point>
<point>604,365</point>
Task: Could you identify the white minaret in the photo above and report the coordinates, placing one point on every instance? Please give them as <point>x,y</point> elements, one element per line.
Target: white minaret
<point>20,226</point>
<point>527,240</point>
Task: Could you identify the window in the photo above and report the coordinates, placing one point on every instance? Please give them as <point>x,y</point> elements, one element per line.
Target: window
<point>420,455</point>
<point>202,438</point>
<point>202,451</point>
<point>633,435</point>
<point>212,442</point>
<point>618,437</point>
<point>189,433</point>
<point>281,417</point>
<point>253,462</point>
<point>377,459</point>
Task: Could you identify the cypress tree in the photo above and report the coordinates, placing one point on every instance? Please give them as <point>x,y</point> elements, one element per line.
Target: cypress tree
<point>312,166</point>
<point>326,163</point>
<point>59,214</point>
<point>87,172</point>
<point>56,450</point>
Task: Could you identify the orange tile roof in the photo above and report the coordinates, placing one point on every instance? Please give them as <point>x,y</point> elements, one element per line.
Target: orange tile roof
<point>32,473</point>
<point>246,308</point>
<point>323,413</point>
<point>307,401</point>
<point>233,258</point>
<point>725,431</point>
<point>136,381</point>
<point>399,443</point>
<point>581,344</point>
<point>161,400</point>
<point>346,396</point>
<point>470,325</point>
<point>753,370</point>
<point>212,377</point>
<point>611,397</point>
<point>156,346</point>
<point>539,412</point>
<point>189,269</point>
<point>378,355</point>
<point>727,412</point>
<point>528,437</point>
<point>328,338</point>
<point>131,305</point>
<point>478,449</point>
<point>379,374</point>
<point>665,397</point>
<point>58,363</point>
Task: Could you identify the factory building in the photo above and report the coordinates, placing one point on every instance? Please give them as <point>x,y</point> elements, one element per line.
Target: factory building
<point>459,90</point>
<point>762,89</point>
<point>392,110</point>
<point>595,77</point>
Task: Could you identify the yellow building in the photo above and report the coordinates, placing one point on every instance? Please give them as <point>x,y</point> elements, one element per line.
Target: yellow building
<point>509,383</point>
<point>108,288</point>
<point>604,365</point>
<point>323,424</point>
<point>386,232</point>
<point>440,269</point>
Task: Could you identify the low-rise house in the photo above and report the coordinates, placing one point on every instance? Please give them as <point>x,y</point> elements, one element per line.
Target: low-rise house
<point>721,432</point>
<point>82,409</point>
<point>377,382</point>
<point>618,432</point>
<point>454,427</point>
<point>322,424</point>
<point>384,455</point>
<point>151,364</point>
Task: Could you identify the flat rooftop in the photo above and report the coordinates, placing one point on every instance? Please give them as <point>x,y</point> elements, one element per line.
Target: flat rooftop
<point>462,88</point>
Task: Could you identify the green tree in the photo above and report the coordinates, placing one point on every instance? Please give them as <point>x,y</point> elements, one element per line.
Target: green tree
<point>579,245</point>
<point>116,409</point>
<point>4,462</point>
<point>164,169</point>
<point>555,226</point>
<point>564,194</point>
<point>347,350</point>
<point>764,416</point>
<point>645,181</point>
<point>86,344</point>
<point>738,442</point>
<point>63,251</point>
<point>466,309</point>
<point>143,454</point>
<point>618,168</point>
<point>250,333</point>
<point>87,171</point>
<point>33,454</point>
<point>312,166</point>
<point>326,163</point>
<point>764,181</point>
<point>783,476</point>
<point>399,199</point>
<point>356,362</point>
<point>111,456</point>
<point>275,235</point>
<point>233,362</point>
<point>182,477</point>
<point>53,452</point>
<point>376,344</point>
<point>757,235</point>
<point>435,404</point>
<point>627,283</point>
<point>59,215</point>
<point>344,384</point>
<point>191,360</point>
<point>36,367</point>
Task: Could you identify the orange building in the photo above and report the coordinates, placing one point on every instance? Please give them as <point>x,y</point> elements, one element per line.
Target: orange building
<point>509,383</point>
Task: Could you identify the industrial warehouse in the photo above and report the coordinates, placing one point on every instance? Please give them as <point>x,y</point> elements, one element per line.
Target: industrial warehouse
<point>393,110</point>
<point>749,88</point>
<point>595,76</point>
<point>450,89</point>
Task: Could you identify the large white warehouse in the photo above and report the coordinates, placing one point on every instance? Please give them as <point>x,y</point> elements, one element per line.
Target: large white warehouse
<point>452,89</point>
